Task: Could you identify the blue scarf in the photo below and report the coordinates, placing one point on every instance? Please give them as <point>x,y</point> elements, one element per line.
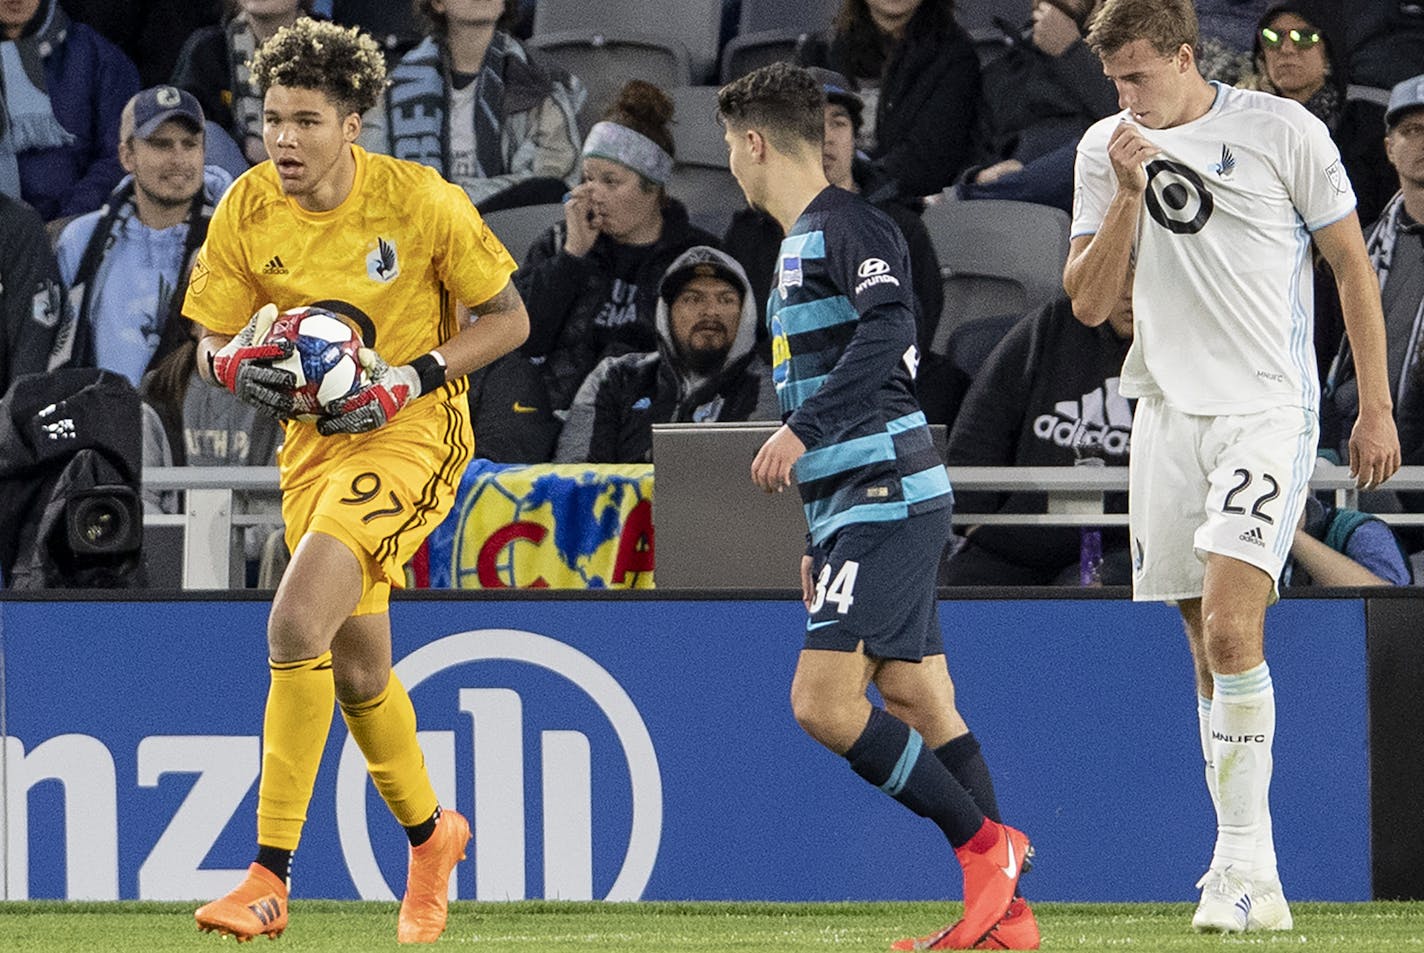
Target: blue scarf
<point>418,108</point>
<point>29,115</point>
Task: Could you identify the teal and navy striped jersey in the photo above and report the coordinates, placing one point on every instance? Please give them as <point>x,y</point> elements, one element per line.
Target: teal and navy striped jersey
<point>842,320</point>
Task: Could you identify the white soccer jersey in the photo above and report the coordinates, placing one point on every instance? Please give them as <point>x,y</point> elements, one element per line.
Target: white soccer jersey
<point>1223,299</point>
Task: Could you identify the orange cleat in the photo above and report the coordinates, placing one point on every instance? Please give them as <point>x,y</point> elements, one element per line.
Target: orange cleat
<point>1018,930</point>
<point>427,884</point>
<point>991,881</point>
<point>258,907</point>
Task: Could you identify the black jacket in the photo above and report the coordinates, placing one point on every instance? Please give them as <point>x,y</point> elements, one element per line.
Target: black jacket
<point>929,100</point>
<point>612,416</point>
<point>1034,103</point>
<point>1051,383</point>
<point>37,324</point>
<point>566,297</point>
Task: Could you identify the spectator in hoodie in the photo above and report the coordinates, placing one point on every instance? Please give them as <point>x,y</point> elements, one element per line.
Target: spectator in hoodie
<point>705,368</point>
<point>126,267</point>
<point>1046,396</point>
<point>591,281</point>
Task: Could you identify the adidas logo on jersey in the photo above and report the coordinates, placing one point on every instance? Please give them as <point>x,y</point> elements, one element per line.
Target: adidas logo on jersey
<point>1102,417</point>
<point>1253,536</point>
<point>275,267</point>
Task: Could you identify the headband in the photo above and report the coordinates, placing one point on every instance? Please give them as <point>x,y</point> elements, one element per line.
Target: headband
<point>609,140</point>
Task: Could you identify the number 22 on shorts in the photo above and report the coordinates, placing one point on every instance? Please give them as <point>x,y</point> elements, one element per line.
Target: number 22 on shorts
<point>838,592</point>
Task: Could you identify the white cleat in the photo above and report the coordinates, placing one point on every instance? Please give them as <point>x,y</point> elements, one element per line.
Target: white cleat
<point>1225,905</point>
<point>1269,910</point>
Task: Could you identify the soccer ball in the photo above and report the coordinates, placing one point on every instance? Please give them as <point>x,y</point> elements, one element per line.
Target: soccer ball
<point>323,359</point>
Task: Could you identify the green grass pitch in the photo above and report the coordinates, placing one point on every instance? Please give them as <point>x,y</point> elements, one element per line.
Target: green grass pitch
<point>55,927</point>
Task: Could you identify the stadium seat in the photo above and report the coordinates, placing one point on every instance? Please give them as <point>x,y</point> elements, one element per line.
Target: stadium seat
<point>808,16</point>
<point>520,228</point>
<point>701,179</point>
<point>696,24</point>
<point>711,195</point>
<point>748,51</point>
<point>696,132</point>
<point>996,257</point>
<point>606,60</point>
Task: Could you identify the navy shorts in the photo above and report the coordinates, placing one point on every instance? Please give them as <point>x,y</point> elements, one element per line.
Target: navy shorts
<point>875,583</point>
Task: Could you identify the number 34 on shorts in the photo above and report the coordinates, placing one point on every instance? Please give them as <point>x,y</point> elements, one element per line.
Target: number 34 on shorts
<point>839,591</point>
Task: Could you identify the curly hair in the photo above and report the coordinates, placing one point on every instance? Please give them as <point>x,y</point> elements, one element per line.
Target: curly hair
<point>341,62</point>
<point>646,109</point>
<point>438,23</point>
<point>785,103</point>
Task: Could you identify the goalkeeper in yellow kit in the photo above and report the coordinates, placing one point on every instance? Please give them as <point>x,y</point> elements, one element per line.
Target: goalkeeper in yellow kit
<point>406,258</point>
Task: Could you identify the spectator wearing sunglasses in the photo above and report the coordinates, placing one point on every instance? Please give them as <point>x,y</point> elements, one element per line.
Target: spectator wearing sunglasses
<point>1295,57</point>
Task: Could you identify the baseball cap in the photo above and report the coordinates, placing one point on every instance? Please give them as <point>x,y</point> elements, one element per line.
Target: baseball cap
<point>839,90</point>
<point>153,107</point>
<point>1404,97</point>
<point>674,281</point>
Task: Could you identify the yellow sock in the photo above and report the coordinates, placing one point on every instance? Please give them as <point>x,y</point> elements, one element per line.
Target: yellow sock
<point>384,729</point>
<point>294,730</point>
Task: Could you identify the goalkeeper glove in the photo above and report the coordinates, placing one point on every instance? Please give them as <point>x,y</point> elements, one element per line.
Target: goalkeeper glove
<point>244,366</point>
<point>389,388</point>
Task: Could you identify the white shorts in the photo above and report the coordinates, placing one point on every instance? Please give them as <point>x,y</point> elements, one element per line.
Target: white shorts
<point>1233,485</point>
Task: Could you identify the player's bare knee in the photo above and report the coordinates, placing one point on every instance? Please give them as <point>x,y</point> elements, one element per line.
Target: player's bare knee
<point>356,685</point>
<point>931,720</point>
<point>1232,640</point>
<point>822,718</point>
<point>906,711</point>
<point>291,635</point>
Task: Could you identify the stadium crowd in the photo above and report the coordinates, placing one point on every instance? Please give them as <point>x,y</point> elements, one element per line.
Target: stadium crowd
<point>125,122</point>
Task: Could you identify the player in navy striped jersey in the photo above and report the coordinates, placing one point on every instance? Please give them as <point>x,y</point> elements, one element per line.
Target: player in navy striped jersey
<point>876,496</point>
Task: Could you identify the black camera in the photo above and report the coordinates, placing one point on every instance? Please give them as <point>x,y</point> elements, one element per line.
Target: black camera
<point>104,521</point>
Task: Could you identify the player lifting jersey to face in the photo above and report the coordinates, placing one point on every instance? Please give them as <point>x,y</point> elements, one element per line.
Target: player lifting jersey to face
<point>1204,201</point>
<point>402,256</point>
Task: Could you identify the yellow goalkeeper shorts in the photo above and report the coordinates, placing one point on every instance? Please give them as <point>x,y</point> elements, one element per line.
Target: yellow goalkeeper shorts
<point>381,493</point>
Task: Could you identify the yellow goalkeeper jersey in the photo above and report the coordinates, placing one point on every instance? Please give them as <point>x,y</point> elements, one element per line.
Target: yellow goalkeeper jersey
<point>394,257</point>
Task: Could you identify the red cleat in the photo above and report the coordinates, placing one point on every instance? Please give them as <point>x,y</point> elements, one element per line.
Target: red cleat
<point>427,885</point>
<point>258,907</point>
<point>991,881</point>
<point>1018,930</point>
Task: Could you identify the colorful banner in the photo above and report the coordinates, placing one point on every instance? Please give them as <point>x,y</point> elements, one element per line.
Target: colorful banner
<point>547,526</point>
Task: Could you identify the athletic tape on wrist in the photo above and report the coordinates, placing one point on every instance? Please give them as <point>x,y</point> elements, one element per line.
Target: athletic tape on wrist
<point>431,370</point>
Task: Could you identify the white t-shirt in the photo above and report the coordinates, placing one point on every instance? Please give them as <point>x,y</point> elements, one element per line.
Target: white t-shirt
<point>1222,301</point>
<point>462,133</point>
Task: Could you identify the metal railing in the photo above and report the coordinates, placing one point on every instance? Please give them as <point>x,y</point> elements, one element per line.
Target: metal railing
<point>212,507</point>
